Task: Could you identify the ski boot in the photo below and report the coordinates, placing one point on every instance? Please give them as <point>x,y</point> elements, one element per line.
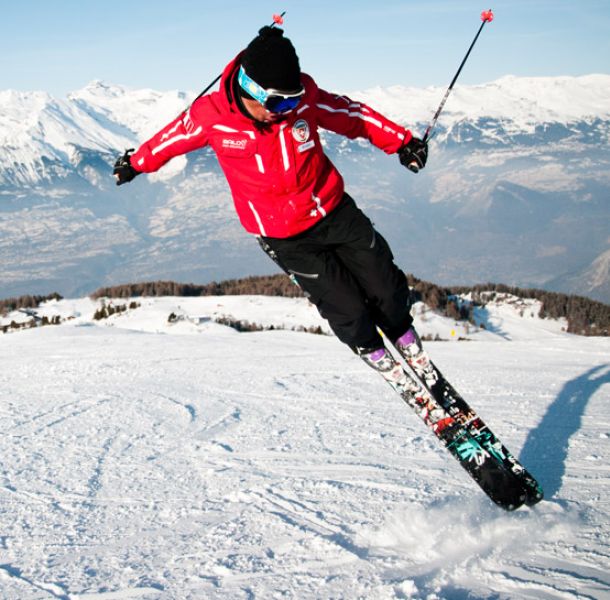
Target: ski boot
<point>410,347</point>
<point>379,359</point>
<point>390,369</point>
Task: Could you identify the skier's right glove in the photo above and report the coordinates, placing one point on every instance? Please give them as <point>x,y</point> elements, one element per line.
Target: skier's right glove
<point>414,154</point>
<point>123,171</point>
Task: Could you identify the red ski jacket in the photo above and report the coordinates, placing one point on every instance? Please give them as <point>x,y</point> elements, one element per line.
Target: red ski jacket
<point>281,181</point>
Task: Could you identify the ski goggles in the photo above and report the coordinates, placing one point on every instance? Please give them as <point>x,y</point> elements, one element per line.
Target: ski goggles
<point>274,101</point>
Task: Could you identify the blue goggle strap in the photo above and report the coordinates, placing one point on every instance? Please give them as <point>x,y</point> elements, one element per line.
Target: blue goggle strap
<point>250,86</point>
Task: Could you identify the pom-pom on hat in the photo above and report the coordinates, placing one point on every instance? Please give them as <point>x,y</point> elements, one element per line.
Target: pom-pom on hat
<point>271,60</point>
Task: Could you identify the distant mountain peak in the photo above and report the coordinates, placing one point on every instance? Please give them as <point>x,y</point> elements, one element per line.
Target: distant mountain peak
<point>106,116</point>
<point>522,101</point>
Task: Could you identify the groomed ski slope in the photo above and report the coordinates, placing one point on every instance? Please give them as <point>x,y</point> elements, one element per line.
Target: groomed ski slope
<point>142,459</point>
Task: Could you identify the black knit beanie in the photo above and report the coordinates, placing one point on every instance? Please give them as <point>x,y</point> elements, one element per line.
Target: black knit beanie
<point>271,60</point>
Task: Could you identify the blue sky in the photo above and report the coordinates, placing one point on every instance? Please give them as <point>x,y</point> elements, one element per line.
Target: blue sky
<point>183,44</point>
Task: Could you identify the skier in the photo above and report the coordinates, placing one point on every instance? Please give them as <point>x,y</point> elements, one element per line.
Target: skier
<point>263,125</point>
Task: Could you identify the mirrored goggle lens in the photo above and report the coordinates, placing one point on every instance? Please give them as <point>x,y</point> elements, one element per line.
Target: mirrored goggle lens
<point>281,104</point>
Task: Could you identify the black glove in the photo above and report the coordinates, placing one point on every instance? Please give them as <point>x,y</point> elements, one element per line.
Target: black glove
<point>414,154</point>
<point>123,171</point>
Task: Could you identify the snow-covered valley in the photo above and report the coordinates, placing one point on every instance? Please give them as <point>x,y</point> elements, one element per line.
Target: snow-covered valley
<point>142,458</point>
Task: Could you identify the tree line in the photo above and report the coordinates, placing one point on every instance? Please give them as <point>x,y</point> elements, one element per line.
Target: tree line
<point>264,285</point>
<point>10,304</point>
<point>583,315</point>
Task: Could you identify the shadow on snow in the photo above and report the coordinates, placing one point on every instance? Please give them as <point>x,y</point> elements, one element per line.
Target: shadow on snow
<point>546,448</point>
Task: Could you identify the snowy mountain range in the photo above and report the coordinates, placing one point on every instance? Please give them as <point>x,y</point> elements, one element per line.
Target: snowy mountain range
<point>516,190</point>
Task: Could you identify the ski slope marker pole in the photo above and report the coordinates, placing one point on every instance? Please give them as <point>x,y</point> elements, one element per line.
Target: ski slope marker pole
<point>487,16</point>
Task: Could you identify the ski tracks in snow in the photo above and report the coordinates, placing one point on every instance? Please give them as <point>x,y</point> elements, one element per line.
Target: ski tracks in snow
<point>148,467</point>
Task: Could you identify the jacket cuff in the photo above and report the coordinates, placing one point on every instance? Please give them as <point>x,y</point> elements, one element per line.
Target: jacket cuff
<point>131,157</point>
<point>408,138</point>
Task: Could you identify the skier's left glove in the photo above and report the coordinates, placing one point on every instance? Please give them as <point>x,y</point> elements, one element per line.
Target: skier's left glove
<point>123,171</point>
<point>414,154</point>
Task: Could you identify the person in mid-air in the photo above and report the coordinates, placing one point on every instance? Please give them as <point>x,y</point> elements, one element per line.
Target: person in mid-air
<point>263,125</point>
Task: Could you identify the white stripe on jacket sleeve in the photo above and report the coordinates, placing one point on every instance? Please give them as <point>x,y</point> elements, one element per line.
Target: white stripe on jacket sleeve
<point>352,113</point>
<point>177,138</point>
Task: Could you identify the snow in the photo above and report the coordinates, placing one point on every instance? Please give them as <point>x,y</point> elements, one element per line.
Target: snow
<point>142,111</point>
<point>520,103</point>
<point>148,459</point>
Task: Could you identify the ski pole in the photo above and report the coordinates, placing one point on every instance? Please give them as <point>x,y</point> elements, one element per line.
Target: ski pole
<point>486,16</point>
<point>277,20</point>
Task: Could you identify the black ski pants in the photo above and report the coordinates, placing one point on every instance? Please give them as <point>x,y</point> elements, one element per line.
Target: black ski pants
<point>347,270</point>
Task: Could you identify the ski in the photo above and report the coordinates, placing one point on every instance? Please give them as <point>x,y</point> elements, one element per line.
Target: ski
<point>463,433</point>
<point>455,405</point>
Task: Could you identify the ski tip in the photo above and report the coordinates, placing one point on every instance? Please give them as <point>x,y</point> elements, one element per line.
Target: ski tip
<point>509,500</point>
<point>534,498</point>
<point>528,498</point>
<point>515,505</point>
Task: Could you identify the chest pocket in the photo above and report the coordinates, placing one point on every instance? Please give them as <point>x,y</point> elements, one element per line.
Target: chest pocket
<point>234,145</point>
